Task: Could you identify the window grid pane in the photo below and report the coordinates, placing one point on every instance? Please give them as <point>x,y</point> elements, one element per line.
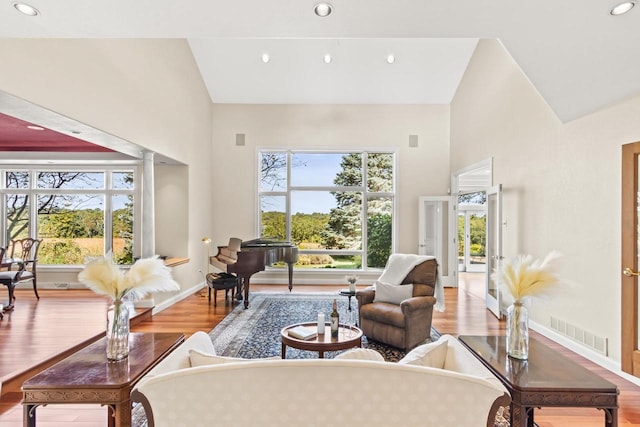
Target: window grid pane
<point>68,209</point>
<point>17,180</point>
<point>326,221</point>
<point>71,228</point>
<point>71,180</point>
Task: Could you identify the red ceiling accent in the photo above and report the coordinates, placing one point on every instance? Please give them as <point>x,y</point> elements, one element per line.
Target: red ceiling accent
<point>16,136</point>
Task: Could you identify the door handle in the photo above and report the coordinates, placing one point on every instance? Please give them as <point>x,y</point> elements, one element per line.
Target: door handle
<point>629,272</point>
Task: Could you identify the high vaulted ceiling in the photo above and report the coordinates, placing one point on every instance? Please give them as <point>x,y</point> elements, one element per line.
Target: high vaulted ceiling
<point>578,56</point>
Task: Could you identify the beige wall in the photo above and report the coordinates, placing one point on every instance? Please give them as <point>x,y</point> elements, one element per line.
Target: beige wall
<point>561,183</point>
<point>148,92</point>
<point>422,170</point>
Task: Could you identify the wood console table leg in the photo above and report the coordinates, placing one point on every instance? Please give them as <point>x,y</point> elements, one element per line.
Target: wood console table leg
<point>521,416</point>
<point>29,415</point>
<point>610,417</point>
<point>119,415</point>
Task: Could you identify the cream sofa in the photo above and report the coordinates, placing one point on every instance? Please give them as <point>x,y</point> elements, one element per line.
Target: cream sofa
<point>356,389</point>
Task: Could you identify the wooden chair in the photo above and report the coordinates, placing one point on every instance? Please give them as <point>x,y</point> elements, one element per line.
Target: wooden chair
<point>27,250</point>
<point>2,252</point>
<point>10,279</point>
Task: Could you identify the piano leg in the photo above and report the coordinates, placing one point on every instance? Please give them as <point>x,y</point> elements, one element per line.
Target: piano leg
<point>290,268</point>
<point>239,288</point>
<point>244,279</point>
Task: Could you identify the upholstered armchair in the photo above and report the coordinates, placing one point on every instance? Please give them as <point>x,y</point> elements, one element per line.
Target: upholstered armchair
<point>403,323</point>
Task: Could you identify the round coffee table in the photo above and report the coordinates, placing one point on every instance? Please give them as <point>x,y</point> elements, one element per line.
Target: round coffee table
<point>348,337</point>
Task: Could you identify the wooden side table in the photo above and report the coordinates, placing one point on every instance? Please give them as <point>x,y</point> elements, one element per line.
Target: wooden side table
<point>347,338</point>
<point>87,377</point>
<point>547,378</point>
<point>348,293</point>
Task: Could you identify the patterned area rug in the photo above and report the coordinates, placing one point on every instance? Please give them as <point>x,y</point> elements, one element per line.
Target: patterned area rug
<point>255,332</point>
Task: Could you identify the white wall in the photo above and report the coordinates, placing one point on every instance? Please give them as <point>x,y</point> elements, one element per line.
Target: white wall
<point>422,170</point>
<point>561,183</point>
<point>148,92</point>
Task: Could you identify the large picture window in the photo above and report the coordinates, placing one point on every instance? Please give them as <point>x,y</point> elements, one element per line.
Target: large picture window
<point>337,207</point>
<point>76,213</point>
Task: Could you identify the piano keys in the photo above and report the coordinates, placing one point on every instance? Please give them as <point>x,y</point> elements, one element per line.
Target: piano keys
<point>254,256</point>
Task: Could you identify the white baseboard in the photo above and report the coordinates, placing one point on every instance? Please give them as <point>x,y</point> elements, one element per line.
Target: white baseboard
<point>178,297</point>
<point>605,362</point>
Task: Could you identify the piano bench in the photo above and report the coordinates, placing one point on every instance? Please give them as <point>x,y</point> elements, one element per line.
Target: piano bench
<point>221,282</point>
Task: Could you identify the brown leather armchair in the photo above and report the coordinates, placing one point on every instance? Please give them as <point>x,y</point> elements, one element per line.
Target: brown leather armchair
<point>405,325</point>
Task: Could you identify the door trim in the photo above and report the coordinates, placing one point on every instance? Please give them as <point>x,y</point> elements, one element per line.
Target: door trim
<point>630,356</point>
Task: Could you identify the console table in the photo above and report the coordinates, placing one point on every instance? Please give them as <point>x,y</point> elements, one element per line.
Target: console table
<point>87,377</point>
<point>547,378</point>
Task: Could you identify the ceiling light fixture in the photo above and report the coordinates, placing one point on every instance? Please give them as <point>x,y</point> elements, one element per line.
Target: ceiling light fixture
<point>265,57</point>
<point>322,9</point>
<point>391,59</point>
<point>26,9</point>
<point>622,8</point>
<point>327,58</point>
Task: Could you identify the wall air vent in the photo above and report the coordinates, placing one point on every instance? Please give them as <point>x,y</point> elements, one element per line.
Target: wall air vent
<point>586,338</point>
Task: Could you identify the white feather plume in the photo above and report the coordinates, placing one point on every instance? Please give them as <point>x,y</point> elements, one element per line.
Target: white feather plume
<point>104,277</point>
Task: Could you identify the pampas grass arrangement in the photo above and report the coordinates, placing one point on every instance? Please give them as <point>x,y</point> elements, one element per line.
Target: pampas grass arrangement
<point>104,277</point>
<point>520,279</point>
<point>524,277</point>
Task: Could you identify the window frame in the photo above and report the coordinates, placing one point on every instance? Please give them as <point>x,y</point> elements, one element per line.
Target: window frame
<point>362,188</point>
<point>107,192</point>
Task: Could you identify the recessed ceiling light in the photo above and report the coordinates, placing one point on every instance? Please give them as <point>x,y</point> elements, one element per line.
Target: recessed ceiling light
<point>322,9</point>
<point>623,8</point>
<point>391,59</point>
<point>327,58</point>
<point>26,9</point>
<point>33,127</point>
<point>265,57</point>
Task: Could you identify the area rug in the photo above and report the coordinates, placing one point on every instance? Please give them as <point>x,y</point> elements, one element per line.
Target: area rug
<point>255,332</point>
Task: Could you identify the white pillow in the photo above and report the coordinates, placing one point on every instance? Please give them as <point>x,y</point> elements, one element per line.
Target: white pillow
<point>432,355</point>
<point>199,358</point>
<point>361,354</point>
<point>393,294</point>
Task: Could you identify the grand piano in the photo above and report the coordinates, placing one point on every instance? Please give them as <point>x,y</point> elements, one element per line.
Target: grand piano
<point>254,256</point>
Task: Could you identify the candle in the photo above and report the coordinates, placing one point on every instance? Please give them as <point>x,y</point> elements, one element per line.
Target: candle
<point>320,323</point>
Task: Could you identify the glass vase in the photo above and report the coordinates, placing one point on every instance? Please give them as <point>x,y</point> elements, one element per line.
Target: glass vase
<point>518,331</point>
<point>117,331</point>
<point>352,286</point>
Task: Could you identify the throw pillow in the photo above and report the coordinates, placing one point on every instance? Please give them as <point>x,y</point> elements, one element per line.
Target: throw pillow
<point>393,294</point>
<point>199,358</point>
<point>361,354</point>
<point>433,355</point>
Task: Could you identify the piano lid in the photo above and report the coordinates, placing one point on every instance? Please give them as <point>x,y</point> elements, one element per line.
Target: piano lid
<point>264,242</point>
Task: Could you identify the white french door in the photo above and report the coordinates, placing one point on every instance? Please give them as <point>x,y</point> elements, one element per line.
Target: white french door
<point>437,230</point>
<point>494,247</point>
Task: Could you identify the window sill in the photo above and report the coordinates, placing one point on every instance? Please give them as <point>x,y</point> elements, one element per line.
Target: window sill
<point>173,262</point>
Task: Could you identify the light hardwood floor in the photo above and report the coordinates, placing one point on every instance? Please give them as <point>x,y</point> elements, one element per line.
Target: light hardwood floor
<point>38,329</point>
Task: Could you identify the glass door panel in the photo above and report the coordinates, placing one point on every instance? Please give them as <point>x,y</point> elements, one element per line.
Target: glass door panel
<point>493,247</point>
<point>476,239</point>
